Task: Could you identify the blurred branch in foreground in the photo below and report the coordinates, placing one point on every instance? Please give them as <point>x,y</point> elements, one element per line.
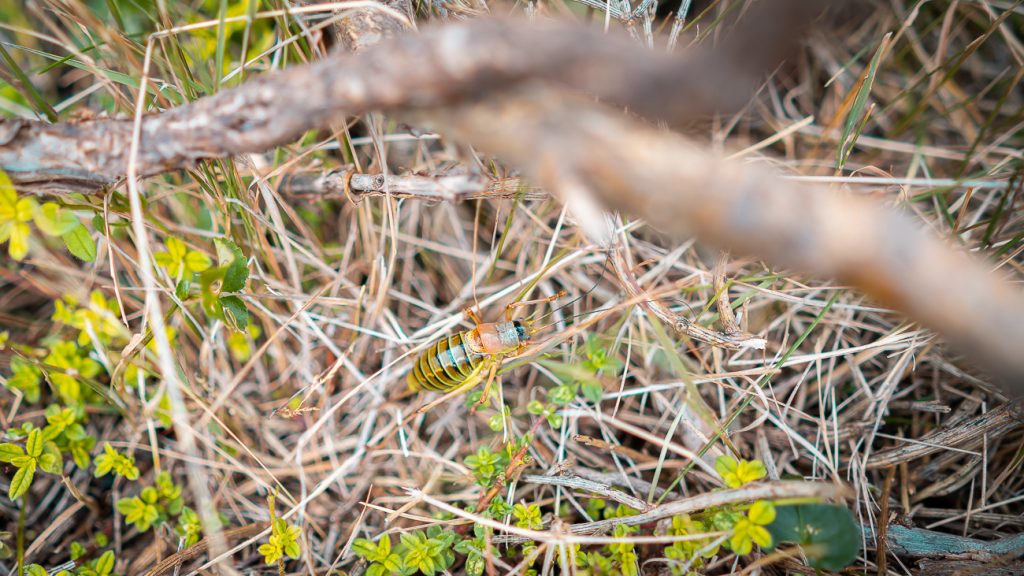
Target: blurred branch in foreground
<point>441,66</point>
<point>675,184</point>
<point>681,188</point>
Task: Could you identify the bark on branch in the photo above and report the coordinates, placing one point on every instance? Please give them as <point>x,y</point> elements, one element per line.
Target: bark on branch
<point>409,72</point>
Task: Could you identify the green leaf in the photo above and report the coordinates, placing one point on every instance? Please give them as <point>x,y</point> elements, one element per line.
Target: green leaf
<point>53,220</point>
<point>475,565</point>
<point>10,451</point>
<point>105,563</point>
<point>80,244</point>
<point>236,315</point>
<point>34,444</point>
<point>848,139</point>
<point>562,395</point>
<point>365,549</point>
<point>181,291</point>
<point>230,256</point>
<point>592,390</point>
<point>495,423</point>
<point>196,261</point>
<point>826,533</point>
<point>35,570</point>
<point>21,481</point>
<point>18,238</point>
<point>51,460</point>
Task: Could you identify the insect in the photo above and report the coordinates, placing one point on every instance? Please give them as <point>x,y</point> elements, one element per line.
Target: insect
<point>459,362</point>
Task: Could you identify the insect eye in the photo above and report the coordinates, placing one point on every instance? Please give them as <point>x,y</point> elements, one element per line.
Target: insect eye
<point>521,331</point>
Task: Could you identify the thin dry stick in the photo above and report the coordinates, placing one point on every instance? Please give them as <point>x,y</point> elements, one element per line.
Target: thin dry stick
<point>725,339</point>
<point>577,483</point>
<point>200,548</point>
<point>994,423</point>
<point>749,493</point>
<point>345,184</point>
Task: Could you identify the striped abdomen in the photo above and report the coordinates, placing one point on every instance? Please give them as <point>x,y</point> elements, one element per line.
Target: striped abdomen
<point>448,363</point>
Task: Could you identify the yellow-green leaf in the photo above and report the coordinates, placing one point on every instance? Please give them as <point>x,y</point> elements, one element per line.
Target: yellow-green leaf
<point>18,246</point>
<point>53,220</point>
<point>197,261</point>
<point>34,443</point>
<point>80,243</point>
<point>762,513</point>
<point>21,481</point>
<point>10,451</point>
<point>24,209</point>
<point>176,248</point>
<point>761,536</point>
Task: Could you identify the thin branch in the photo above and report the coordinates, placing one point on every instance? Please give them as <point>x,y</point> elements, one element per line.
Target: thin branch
<point>748,493</point>
<point>992,424</point>
<point>344,184</point>
<point>577,483</point>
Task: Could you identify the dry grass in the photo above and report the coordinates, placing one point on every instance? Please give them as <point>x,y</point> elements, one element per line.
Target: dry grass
<point>345,293</point>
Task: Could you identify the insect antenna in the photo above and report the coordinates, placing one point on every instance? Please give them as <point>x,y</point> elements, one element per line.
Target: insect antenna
<point>604,268</point>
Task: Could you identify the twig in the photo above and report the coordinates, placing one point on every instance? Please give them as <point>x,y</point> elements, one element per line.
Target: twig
<point>995,423</point>
<point>748,493</point>
<point>732,340</point>
<point>347,185</point>
<point>200,547</point>
<point>598,488</point>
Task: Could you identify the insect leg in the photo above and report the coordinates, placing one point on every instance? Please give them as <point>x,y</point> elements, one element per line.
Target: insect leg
<point>510,307</point>
<point>486,395</point>
<point>472,315</point>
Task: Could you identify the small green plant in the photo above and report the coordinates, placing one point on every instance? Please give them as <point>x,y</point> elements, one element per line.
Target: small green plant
<point>153,506</point>
<point>614,558</point>
<point>547,411</point>
<point>486,465</point>
<point>190,528</point>
<point>51,219</point>
<point>283,541</point>
<point>750,530</point>
<point>380,556</point>
<point>99,318</point>
<point>179,260</point>
<point>102,566</point>
<point>427,552</point>
<point>473,549</point>
<point>688,556</point>
<point>431,552</point>
<point>624,553</point>
<point>37,454</point>
<point>219,285</point>
<point>737,473</point>
<point>67,364</point>
<point>528,517</point>
<point>584,378</point>
<point>113,461</point>
<point>25,378</point>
